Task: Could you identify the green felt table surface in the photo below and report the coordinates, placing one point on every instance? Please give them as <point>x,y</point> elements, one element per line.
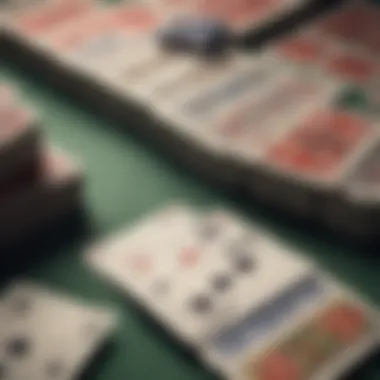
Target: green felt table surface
<point>127,179</point>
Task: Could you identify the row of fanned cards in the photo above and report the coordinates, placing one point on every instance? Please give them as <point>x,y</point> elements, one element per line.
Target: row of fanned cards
<point>294,123</point>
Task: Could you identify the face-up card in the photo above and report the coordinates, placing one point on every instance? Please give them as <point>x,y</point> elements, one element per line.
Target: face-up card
<point>321,147</point>
<point>200,279</point>
<point>47,335</point>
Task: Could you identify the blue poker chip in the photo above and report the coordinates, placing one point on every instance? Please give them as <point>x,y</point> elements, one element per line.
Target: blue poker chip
<point>203,36</point>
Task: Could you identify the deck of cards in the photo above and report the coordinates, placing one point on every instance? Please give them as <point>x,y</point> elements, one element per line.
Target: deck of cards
<point>250,307</point>
<point>48,335</point>
<point>38,183</point>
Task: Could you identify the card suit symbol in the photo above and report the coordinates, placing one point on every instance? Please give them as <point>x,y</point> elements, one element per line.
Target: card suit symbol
<point>18,347</point>
<point>221,282</point>
<point>201,304</point>
<point>189,257</point>
<point>244,264</point>
<point>242,258</point>
<point>142,264</point>
<point>277,366</point>
<point>345,322</point>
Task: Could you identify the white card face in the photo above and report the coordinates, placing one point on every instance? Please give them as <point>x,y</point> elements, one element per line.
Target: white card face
<point>46,335</point>
<point>195,274</point>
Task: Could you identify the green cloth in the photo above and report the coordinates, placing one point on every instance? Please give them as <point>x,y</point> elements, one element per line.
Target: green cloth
<point>127,180</point>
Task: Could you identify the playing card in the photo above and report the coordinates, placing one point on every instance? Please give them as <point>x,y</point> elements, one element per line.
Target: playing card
<point>200,279</point>
<point>45,334</point>
<point>311,171</point>
<point>29,205</point>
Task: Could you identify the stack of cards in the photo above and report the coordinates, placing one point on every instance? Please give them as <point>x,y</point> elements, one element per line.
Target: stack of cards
<point>38,183</point>
<point>47,335</point>
<point>250,307</point>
